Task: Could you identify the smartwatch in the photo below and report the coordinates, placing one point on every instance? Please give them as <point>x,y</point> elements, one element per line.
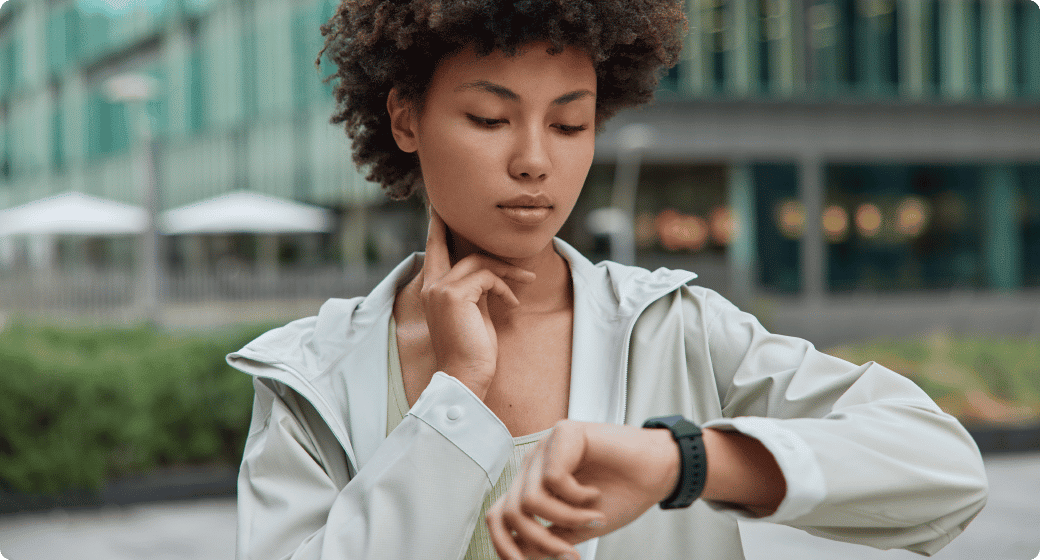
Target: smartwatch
<point>693,468</point>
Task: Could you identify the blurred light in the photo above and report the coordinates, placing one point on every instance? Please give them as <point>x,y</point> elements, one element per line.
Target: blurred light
<point>951,211</point>
<point>119,8</point>
<point>875,8</point>
<point>912,216</point>
<point>644,230</point>
<point>835,222</point>
<point>679,232</point>
<point>790,219</point>
<point>868,220</point>
<point>823,18</point>
<point>723,225</point>
<point>130,87</point>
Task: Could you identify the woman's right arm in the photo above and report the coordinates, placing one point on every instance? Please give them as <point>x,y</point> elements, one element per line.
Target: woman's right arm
<point>418,496</point>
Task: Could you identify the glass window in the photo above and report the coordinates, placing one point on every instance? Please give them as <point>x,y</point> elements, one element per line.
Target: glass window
<point>713,13</point>
<point>903,227</point>
<point>1026,18</point>
<point>306,43</point>
<point>877,47</point>
<point>107,127</point>
<point>8,66</point>
<point>828,37</point>
<point>5,148</point>
<point>976,52</point>
<point>58,138</point>
<point>1029,210</point>
<point>935,45</point>
<point>781,221</point>
<point>55,44</point>
<point>767,33</point>
<point>250,95</point>
<point>196,89</point>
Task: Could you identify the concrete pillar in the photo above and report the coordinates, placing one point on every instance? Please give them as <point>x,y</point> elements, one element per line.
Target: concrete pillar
<point>353,235</point>
<point>811,192</point>
<point>1002,239</point>
<point>742,249</point>
<point>268,259</point>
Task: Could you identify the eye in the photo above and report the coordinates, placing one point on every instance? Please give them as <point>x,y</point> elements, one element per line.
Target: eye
<point>486,122</point>
<point>570,129</point>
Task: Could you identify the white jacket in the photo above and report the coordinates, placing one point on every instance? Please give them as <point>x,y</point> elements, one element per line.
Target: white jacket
<point>866,455</point>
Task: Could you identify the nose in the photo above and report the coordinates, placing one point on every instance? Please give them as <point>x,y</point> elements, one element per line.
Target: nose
<point>530,160</point>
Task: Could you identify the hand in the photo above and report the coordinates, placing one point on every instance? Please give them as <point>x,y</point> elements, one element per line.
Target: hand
<point>587,480</point>
<point>455,304</point>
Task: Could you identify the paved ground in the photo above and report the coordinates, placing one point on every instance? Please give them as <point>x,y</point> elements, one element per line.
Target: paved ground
<point>1008,529</point>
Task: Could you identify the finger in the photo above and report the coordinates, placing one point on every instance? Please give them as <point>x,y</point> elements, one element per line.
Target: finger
<point>564,451</point>
<point>501,268</point>
<point>437,262</point>
<point>471,288</point>
<point>536,539</point>
<point>501,537</point>
<point>539,497</point>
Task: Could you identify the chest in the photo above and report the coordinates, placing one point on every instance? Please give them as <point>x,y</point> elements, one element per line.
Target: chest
<point>531,387</point>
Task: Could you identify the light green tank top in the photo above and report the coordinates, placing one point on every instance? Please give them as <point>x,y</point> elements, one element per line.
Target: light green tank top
<point>480,547</point>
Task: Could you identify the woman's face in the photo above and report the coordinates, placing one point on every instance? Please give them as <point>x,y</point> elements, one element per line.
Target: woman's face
<point>504,143</point>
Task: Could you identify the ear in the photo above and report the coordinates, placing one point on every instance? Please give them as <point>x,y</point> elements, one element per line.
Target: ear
<point>402,121</point>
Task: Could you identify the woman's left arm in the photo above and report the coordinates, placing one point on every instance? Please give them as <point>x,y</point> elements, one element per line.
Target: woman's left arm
<point>863,454</point>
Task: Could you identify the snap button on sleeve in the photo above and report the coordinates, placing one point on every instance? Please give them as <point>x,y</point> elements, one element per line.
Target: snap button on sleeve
<point>454,412</point>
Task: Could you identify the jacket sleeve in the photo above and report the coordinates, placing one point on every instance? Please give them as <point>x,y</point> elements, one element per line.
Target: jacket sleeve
<point>418,496</point>
<point>867,456</point>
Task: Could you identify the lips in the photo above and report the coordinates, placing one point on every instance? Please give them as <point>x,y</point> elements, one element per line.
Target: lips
<point>527,201</point>
<point>527,209</point>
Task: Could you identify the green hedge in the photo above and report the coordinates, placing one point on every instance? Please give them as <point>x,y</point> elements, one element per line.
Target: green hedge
<point>79,407</point>
<point>980,380</point>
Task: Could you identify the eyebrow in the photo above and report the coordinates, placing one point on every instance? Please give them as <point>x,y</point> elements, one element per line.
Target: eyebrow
<point>510,95</point>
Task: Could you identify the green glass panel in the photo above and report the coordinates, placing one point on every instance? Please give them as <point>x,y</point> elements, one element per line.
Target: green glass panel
<point>108,127</point>
<point>196,89</point>
<point>1027,49</point>
<point>7,64</point>
<point>249,71</point>
<point>778,255</point>
<point>58,139</point>
<point>976,38</point>
<point>56,48</point>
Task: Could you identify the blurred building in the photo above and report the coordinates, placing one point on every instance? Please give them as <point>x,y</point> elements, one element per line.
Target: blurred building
<point>801,147</point>
<point>867,145</point>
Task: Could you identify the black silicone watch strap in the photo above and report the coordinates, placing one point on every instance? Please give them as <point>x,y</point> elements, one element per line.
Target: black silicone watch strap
<point>693,461</point>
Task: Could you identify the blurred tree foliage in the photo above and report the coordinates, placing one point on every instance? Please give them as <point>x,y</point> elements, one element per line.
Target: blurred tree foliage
<point>79,407</point>
<point>980,380</point>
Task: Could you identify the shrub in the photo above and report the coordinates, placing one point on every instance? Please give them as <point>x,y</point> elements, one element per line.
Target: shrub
<point>79,407</point>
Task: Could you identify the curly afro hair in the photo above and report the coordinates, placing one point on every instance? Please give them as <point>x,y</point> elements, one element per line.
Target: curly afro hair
<point>379,45</point>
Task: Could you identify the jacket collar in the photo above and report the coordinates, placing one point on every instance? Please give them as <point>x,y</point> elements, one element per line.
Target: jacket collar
<point>338,360</point>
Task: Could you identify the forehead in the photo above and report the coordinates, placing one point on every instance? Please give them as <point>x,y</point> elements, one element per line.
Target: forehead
<point>530,68</point>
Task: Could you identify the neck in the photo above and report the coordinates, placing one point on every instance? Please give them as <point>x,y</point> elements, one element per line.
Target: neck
<point>551,290</point>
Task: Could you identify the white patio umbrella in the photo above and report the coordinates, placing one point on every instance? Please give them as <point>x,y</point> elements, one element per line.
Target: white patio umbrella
<point>246,212</point>
<point>73,213</point>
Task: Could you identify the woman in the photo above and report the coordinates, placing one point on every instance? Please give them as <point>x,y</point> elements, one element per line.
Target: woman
<point>388,425</point>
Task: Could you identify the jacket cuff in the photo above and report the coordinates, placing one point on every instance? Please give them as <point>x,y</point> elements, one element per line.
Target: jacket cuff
<point>449,407</point>
<point>806,487</point>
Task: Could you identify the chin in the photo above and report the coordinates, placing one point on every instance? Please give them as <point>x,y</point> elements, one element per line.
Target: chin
<point>515,246</point>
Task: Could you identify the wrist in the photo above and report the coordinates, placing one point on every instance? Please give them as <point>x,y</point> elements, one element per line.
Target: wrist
<point>692,461</point>
<point>667,463</point>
